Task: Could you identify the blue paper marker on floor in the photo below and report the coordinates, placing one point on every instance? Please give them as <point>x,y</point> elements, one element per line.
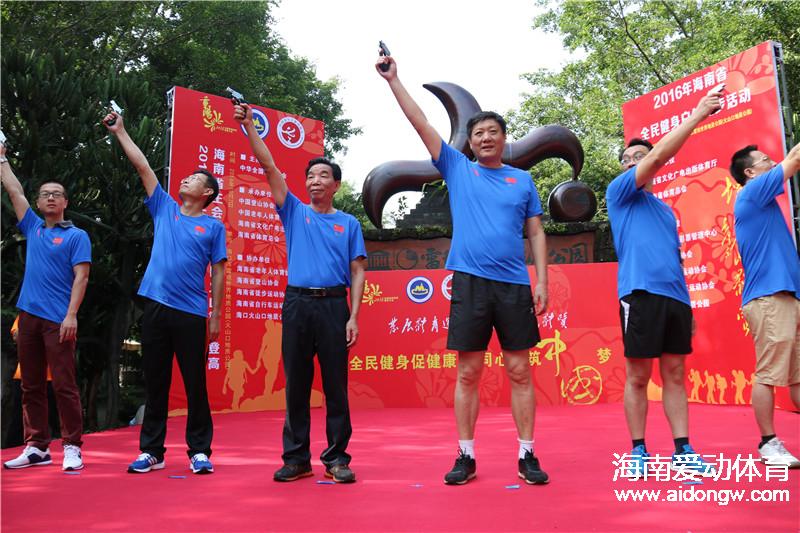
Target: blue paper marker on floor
<point>73,473</point>
<point>416,486</point>
<point>320,482</point>
<point>512,486</point>
<point>177,477</point>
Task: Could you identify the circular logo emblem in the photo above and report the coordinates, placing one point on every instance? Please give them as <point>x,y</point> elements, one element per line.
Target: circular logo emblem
<point>419,290</point>
<point>290,132</point>
<point>447,286</point>
<point>584,387</point>
<point>260,122</point>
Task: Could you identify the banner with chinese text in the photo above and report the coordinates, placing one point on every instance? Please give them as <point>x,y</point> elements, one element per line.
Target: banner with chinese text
<point>698,186</point>
<point>205,135</point>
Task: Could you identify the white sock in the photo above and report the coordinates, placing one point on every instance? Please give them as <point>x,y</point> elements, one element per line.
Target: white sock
<point>468,447</point>
<point>525,446</point>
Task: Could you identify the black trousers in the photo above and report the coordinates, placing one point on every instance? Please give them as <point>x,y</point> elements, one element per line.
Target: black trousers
<point>167,331</point>
<point>314,325</point>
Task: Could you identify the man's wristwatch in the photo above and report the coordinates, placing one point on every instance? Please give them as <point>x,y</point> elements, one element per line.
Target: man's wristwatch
<point>3,159</point>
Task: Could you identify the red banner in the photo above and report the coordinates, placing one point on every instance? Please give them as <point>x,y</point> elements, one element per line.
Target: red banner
<point>697,184</point>
<point>402,360</point>
<point>204,135</point>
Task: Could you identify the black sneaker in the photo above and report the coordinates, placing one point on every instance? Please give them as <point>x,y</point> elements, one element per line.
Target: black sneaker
<point>340,474</point>
<point>530,471</point>
<point>463,470</point>
<point>292,472</point>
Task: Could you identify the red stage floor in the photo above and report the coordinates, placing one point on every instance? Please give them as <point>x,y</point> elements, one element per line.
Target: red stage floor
<point>400,456</point>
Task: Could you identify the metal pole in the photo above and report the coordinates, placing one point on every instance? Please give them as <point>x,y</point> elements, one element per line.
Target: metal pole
<point>788,130</point>
<point>168,137</point>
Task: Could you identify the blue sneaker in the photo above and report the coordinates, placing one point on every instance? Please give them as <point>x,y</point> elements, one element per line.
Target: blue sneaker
<point>145,463</point>
<point>200,464</point>
<point>637,462</point>
<point>690,460</point>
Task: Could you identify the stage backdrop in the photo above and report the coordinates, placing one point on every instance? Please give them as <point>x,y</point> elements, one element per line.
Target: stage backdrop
<point>402,360</point>
<point>698,186</point>
<point>205,135</point>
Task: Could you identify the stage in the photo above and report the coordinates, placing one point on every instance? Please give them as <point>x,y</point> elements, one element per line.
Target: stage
<point>400,457</point>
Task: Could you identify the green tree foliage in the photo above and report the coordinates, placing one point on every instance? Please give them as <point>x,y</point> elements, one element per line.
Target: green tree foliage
<point>348,199</point>
<point>59,61</point>
<point>626,48</point>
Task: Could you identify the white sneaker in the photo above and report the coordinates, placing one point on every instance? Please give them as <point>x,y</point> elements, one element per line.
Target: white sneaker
<point>72,457</point>
<point>773,452</point>
<point>30,456</point>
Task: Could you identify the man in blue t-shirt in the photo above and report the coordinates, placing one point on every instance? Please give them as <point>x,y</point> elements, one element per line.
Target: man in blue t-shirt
<point>326,256</point>
<point>771,296</point>
<point>655,310</point>
<point>185,242</point>
<point>492,204</point>
<point>57,262</point>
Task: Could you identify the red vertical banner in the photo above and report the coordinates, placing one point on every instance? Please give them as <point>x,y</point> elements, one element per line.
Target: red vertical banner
<point>698,186</point>
<point>243,367</point>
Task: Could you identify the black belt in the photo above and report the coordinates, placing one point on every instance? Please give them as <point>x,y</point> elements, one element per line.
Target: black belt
<point>319,292</point>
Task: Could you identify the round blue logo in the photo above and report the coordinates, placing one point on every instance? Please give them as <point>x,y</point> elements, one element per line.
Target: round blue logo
<point>260,122</point>
<point>419,290</point>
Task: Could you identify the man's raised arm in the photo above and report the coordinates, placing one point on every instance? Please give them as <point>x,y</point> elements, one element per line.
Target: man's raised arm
<point>412,111</point>
<point>133,152</point>
<point>791,163</point>
<point>243,114</point>
<point>672,142</point>
<point>13,186</point>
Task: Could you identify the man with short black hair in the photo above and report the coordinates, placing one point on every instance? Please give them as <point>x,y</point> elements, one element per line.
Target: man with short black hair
<point>491,203</point>
<point>326,255</point>
<point>185,242</point>
<point>655,309</point>
<point>57,264</point>
<point>771,294</point>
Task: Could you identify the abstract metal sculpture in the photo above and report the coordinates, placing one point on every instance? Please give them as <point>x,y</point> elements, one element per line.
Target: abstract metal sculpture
<point>542,143</point>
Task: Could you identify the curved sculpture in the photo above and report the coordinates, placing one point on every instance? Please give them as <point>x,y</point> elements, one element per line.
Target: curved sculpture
<point>460,106</point>
<point>542,143</point>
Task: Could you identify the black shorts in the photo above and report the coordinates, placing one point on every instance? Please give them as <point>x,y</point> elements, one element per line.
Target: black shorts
<point>479,304</point>
<point>653,325</point>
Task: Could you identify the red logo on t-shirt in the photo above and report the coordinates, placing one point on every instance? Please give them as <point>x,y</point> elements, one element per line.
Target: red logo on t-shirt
<point>57,240</point>
<point>475,171</point>
<point>199,229</point>
<point>308,220</point>
<point>511,180</point>
<point>338,229</point>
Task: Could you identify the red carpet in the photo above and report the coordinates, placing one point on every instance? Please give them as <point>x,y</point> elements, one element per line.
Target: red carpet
<point>400,456</point>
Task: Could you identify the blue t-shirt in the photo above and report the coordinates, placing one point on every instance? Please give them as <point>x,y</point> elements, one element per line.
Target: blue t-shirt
<point>183,247</point>
<point>769,256</point>
<point>320,246</point>
<point>646,239</point>
<point>489,208</point>
<point>49,260</point>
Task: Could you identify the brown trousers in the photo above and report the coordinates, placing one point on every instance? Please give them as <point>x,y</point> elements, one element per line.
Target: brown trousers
<point>38,348</point>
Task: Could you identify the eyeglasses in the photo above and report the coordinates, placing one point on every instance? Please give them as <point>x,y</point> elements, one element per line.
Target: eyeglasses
<point>44,195</point>
<point>764,159</point>
<point>638,156</point>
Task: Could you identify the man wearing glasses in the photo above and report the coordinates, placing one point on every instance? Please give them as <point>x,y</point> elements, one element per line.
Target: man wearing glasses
<point>771,295</point>
<point>655,310</point>
<point>185,242</point>
<point>57,262</point>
